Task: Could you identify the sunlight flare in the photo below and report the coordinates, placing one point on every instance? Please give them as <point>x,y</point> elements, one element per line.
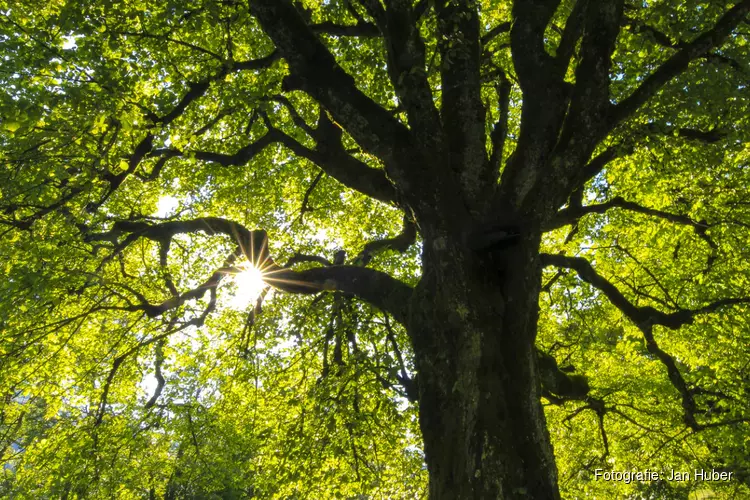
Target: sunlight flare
<point>249,285</point>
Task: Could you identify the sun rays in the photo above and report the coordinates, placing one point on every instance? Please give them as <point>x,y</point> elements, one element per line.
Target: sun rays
<point>249,285</point>
<point>258,272</point>
<point>249,277</point>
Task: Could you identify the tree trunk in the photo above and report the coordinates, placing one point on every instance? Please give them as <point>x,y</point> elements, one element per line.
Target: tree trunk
<point>473,326</point>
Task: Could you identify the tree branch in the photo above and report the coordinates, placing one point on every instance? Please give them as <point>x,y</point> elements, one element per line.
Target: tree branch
<point>570,36</point>
<point>160,381</point>
<point>241,157</point>
<point>398,243</point>
<point>462,109</point>
<point>706,136</point>
<point>665,41</point>
<point>296,118</point>
<point>590,104</point>
<point>167,38</point>
<point>494,32</point>
<point>330,157</point>
<point>571,214</point>
<point>530,19</point>
<point>361,29</point>
<point>195,91</point>
<point>640,315</point>
<point>645,318</point>
<point>407,71</point>
<point>315,71</point>
<point>679,62</point>
<point>500,130</point>
<point>409,384</point>
<point>305,208</point>
<point>596,165</point>
<point>545,99</point>
<point>559,383</point>
<point>375,287</point>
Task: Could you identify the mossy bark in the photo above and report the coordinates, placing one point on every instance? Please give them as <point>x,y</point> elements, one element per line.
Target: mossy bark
<point>474,327</point>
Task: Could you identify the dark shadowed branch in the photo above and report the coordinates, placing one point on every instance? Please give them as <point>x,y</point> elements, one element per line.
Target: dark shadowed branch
<point>640,315</point>
<point>494,32</point>
<point>361,29</point>
<point>596,165</point>
<point>645,318</point>
<point>590,100</point>
<point>399,243</point>
<point>571,214</point>
<point>545,98</point>
<point>315,71</point>
<point>195,91</point>
<point>665,41</point>
<point>462,109</point>
<point>158,375</point>
<point>500,130</point>
<point>406,67</point>
<point>375,287</point>
<point>329,155</point>
<point>711,136</point>
<point>570,36</point>
<point>679,62</point>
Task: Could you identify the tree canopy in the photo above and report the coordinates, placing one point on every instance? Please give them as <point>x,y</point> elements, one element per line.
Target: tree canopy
<point>486,230</point>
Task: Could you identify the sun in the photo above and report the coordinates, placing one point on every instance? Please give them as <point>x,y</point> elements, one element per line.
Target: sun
<point>249,285</point>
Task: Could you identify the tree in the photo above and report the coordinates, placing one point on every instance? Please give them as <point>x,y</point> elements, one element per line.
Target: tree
<point>570,182</point>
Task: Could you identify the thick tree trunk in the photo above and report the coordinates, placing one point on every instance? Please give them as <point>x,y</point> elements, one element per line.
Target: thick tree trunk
<point>473,328</point>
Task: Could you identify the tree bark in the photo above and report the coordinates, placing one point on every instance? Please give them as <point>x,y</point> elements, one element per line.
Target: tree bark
<point>473,327</point>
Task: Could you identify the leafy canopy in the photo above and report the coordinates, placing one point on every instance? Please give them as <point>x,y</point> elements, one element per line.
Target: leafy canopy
<point>141,141</point>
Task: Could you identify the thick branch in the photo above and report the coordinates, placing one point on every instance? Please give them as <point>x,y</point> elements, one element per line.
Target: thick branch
<point>195,91</point>
<point>500,130</point>
<point>596,165</point>
<point>462,109</point>
<point>314,70</point>
<point>335,162</point>
<point>530,19</point>
<point>348,170</point>
<point>375,287</point>
<point>559,383</point>
<point>545,99</point>
<point>361,29</point>
<point>407,71</point>
<point>570,36</point>
<point>673,372</point>
<point>590,101</point>
<point>398,243</point>
<point>494,32</point>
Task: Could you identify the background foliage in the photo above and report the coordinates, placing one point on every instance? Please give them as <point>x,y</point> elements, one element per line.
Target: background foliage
<point>306,398</point>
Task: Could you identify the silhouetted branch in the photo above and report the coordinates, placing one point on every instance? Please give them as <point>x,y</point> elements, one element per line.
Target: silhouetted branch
<point>679,62</point>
